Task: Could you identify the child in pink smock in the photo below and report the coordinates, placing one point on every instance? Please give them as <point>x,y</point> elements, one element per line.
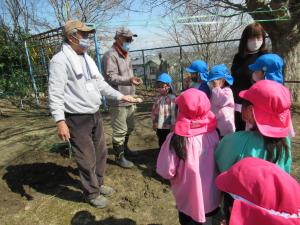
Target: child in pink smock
<point>187,158</point>
<point>221,99</point>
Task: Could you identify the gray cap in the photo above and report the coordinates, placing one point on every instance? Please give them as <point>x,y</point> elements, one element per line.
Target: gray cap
<point>124,32</point>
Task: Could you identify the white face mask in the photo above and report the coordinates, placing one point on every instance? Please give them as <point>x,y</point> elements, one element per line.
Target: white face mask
<point>126,46</point>
<point>83,43</point>
<point>254,44</point>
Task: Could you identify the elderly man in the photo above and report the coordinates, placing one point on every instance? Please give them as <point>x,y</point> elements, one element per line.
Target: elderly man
<point>75,90</point>
<point>117,70</point>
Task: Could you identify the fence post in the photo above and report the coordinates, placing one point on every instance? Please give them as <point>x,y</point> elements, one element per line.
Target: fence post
<point>31,75</point>
<point>145,76</point>
<point>97,48</point>
<point>181,68</point>
<point>45,78</point>
<point>44,63</point>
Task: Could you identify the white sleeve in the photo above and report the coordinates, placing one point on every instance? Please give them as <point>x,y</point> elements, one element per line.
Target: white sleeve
<point>106,90</point>
<point>57,80</point>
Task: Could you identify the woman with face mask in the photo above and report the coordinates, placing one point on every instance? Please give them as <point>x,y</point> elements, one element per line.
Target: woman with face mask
<point>252,45</point>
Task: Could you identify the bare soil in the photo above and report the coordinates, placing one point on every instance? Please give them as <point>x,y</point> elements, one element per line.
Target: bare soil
<point>40,183</point>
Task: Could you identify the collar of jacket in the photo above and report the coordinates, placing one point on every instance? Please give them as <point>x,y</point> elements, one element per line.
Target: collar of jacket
<point>120,51</point>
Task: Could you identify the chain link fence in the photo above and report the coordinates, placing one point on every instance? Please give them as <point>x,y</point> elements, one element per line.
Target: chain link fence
<point>30,71</point>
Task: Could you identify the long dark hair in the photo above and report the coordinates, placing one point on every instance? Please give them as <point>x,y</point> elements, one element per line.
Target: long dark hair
<point>251,31</point>
<point>178,144</point>
<point>273,146</point>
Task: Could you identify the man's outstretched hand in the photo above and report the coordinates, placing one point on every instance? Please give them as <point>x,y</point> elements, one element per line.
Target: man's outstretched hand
<point>136,81</point>
<point>129,98</point>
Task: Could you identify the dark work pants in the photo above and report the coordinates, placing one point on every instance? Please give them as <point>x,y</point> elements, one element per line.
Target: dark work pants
<point>88,143</point>
<point>162,135</point>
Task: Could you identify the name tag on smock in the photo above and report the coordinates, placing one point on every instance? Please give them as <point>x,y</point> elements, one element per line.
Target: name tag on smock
<point>90,86</point>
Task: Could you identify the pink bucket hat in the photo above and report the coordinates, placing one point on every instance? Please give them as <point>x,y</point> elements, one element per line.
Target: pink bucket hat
<point>271,107</point>
<point>194,115</point>
<point>263,192</point>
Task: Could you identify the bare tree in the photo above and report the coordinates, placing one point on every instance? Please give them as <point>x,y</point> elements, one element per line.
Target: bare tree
<point>280,18</point>
<point>90,11</point>
<point>186,28</point>
<point>22,16</point>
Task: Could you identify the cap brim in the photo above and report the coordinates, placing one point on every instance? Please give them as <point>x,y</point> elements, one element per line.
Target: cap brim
<point>86,29</point>
<point>243,93</point>
<point>246,214</point>
<point>228,79</point>
<point>272,125</point>
<point>254,67</point>
<point>127,36</point>
<point>183,125</point>
<point>190,70</point>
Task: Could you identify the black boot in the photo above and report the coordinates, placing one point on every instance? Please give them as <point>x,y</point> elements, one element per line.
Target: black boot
<point>120,158</point>
<point>127,150</point>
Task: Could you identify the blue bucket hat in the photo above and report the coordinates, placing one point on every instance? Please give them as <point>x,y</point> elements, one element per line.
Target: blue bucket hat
<point>165,78</point>
<point>271,65</point>
<point>200,67</point>
<point>218,72</point>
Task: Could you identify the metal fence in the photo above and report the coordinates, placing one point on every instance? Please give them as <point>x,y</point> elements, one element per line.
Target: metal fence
<point>36,52</point>
<point>174,59</point>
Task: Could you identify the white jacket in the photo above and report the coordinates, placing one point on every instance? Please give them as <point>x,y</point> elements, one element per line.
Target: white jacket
<point>71,90</point>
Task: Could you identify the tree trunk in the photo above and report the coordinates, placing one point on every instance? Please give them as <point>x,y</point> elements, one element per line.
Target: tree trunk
<point>285,36</point>
<point>289,49</point>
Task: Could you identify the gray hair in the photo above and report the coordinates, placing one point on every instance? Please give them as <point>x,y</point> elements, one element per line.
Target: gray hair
<point>73,33</point>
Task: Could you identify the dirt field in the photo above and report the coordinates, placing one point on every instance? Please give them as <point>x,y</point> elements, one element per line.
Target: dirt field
<point>40,184</point>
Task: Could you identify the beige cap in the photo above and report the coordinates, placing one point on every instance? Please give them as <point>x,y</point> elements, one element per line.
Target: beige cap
<point>124,32</point>
<point>76,24</point>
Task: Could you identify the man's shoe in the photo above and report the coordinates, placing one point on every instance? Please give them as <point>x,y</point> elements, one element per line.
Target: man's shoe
<point>123,162</point>
<point>99,202</point>
<point>106,191</point>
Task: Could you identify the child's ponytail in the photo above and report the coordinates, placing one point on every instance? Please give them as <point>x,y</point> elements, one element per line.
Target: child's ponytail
<point>178,144</point>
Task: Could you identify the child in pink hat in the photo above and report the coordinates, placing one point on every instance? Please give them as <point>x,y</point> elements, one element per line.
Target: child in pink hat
<point>187,158</point>
<point>266,107</point>
<point>263,193</point>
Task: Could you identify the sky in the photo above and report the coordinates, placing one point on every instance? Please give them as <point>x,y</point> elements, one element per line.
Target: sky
<point>149,26</point>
